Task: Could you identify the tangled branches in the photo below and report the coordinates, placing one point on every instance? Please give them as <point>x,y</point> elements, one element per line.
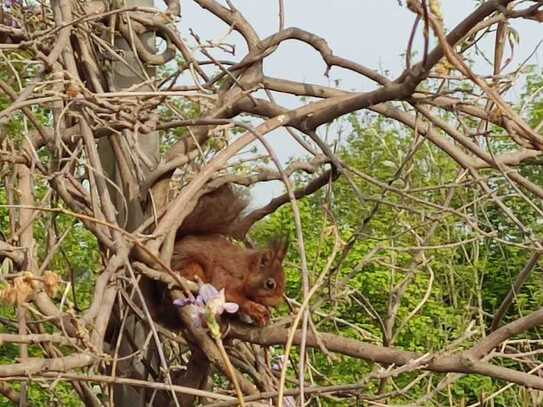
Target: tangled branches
<point>108,142</point>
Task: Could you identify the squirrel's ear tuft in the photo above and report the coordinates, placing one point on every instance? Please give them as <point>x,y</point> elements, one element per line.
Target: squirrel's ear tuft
<point>279,246</point>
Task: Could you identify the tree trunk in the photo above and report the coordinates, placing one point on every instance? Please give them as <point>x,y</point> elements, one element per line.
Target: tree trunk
<point>138,154</point>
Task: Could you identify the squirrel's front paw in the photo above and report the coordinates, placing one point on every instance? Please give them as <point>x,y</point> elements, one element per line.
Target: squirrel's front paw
<point>258,312</point>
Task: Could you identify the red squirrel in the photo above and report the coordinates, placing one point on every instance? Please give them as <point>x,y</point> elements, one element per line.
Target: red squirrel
<point>252,278</point>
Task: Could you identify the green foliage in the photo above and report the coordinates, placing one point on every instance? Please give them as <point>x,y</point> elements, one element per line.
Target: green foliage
<point>77,257</point>
<point>452,288</point>
<point>60,395</point>
<point>463,277</point>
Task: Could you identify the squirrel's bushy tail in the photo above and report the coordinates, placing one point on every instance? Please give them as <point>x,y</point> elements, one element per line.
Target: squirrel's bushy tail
<point>216,212</point>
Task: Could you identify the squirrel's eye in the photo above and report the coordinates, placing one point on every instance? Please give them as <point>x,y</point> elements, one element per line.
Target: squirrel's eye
<point>270,284</point>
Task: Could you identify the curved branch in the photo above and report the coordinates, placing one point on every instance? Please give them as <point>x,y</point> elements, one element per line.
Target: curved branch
<point>312,187</point>
<point>466,362</point>
<point>37,365</point>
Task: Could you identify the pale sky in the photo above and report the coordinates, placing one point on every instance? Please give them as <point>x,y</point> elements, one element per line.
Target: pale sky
<point>373,33</point>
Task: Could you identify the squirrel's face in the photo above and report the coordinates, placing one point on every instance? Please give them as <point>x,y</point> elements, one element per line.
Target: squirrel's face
<point>267,283</point>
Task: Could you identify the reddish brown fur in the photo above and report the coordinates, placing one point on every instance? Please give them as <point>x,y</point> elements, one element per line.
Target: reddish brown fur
<point>203,252</point>
<point>254,279</point>
<point>216,213</point>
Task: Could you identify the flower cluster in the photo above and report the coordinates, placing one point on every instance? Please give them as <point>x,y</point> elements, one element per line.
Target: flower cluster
<point>209,304</point>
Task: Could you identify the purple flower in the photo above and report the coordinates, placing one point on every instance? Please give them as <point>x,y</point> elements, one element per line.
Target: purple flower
<point>215,300</point>
<point>181,302</point>
<point>208,305</point>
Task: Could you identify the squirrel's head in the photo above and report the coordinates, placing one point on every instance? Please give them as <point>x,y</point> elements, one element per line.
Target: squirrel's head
<point>266,284</point>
